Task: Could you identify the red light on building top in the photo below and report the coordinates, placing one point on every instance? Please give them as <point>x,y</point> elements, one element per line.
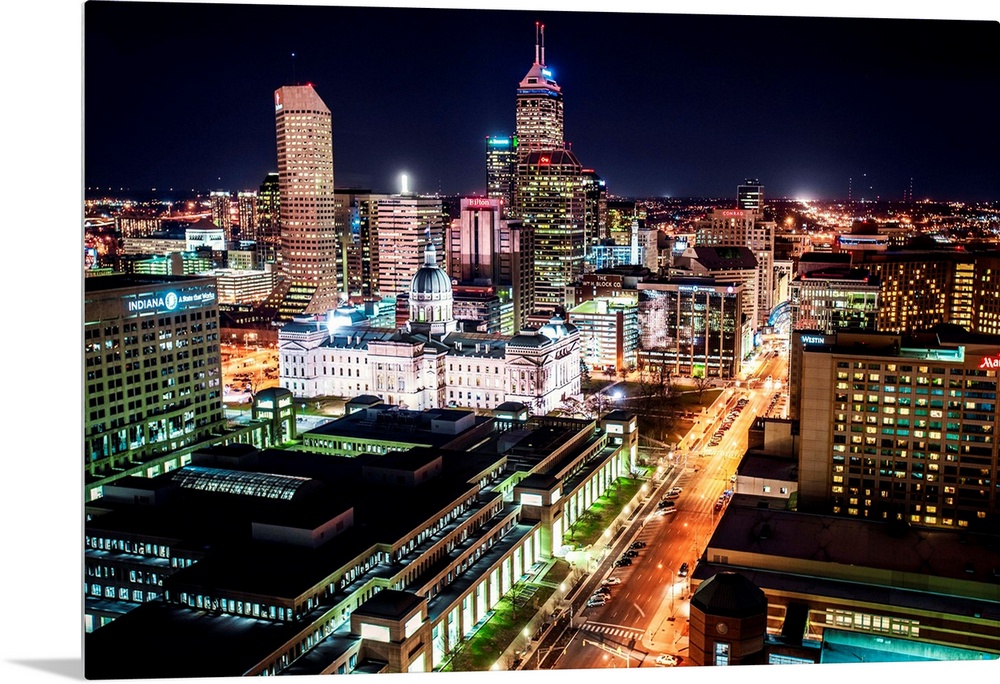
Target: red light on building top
<point>544,160</point>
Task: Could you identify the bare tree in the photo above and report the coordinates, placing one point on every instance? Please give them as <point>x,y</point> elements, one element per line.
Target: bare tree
<point>702,382</point>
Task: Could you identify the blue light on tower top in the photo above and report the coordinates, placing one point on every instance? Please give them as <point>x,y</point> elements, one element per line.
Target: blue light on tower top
<point>547,73</point>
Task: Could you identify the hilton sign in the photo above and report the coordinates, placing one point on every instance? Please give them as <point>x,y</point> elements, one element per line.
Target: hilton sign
<point>480,203</point>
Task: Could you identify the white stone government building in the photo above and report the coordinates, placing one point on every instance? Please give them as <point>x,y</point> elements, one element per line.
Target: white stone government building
<point>429,363</point>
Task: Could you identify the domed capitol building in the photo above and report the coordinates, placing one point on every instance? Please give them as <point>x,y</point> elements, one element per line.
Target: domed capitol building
<point>429,363</point>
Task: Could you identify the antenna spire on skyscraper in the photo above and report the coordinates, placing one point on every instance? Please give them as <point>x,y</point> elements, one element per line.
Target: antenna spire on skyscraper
<point>543,45</point>
<point>537,44</point>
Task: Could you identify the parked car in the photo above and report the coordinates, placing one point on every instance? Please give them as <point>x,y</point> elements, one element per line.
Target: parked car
<point>683,572</point>
<point>631,553</point>
<point>623,561</point>
<point>603,590</point>
<point>666,660</point>
<point>637,545</point>
<point>611,580</point>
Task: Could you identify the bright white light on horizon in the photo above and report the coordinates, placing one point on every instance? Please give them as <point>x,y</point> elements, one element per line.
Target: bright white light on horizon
<point>403,184</point>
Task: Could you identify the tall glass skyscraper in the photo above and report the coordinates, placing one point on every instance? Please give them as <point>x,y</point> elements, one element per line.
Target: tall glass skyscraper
<point>750,196</point>
<point>539,116</point>
<point>309,240</point>
<point>501,167</point>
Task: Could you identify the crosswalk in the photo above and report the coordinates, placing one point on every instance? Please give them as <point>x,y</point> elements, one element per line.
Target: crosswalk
<point>613,630</point>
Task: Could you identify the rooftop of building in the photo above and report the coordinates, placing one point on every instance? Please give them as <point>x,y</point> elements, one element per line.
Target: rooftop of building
<point>729,594</point>
<point>221,525</point>
<point>942,342</point>
<point>845,273</point>
<point>827,257</point>
<point>840,543</point>
<point>551,158</point>
<point>603,307</point>
<point>390,604</point>
<point>763,466</point>
<point>384,422</point>
<point>124,281</point>
<point>723,258</point>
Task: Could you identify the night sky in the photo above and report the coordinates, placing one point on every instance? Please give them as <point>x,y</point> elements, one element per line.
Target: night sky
<point>659,105</point>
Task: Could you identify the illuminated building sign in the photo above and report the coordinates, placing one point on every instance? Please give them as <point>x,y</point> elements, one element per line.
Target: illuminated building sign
<point>547,73</point>
<point>813,339</point>
<point>169,301</point>
<point>732,212</point>
<point>480,203</point>
<point>602,280</point>
<point>500,142</point>
<point>544,160</point>
<point>277,101</point>
<point>265,403</point>
<point>990,362</point>
<point>157,302</point>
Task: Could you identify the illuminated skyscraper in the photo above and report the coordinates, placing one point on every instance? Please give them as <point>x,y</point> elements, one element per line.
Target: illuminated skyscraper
<point>269,220</point>
<point>596,207</point>
<point>551,200</point>
<point>744,228</point>
<point>404,225</point>
<point>551,188</point>
<point>222,206</point>
<point>750,196</point>
<point>501,166</point>
<point>246,202</point>
<point>309,240</point>
<point>539,116</point>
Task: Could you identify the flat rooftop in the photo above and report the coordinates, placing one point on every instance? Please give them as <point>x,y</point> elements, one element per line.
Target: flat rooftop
<point>842,542</point>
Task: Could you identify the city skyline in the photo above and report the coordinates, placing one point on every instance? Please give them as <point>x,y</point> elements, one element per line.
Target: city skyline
<point>710,100</point>
<point>48,143</point>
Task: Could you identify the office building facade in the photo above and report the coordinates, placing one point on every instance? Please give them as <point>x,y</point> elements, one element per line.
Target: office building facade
<point>501,168</point>
<point>152,374</point>
<point>609,333</point>
<point>834,299</point>
<point>222,211</point>
<point>900,428</point>
<point>750,196</point>
<point>744,228</point>
<point>693,327</point>
<point>310,246</point>
<point>246,206</point>
<point>405,225</point>
<point>269,220</point>
<point>551,199</point>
